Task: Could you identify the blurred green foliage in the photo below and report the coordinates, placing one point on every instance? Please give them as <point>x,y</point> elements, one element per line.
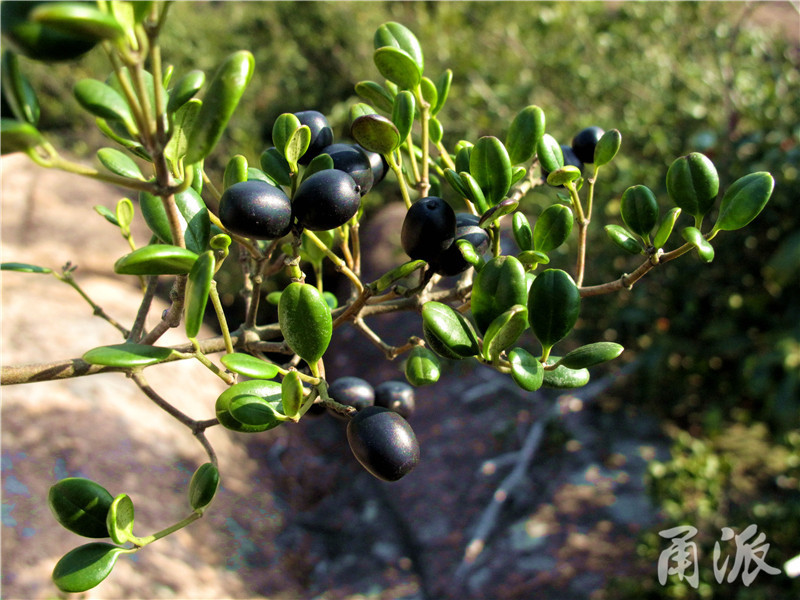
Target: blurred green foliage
<point>718,345</point>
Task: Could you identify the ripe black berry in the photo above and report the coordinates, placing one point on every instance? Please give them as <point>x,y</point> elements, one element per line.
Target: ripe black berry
<point>397,396</point>
<point>379,165</point>
<point>451,261</point>
<point>383,442</point>
<point>428,229</point>
<point>321,133</point>
<point>350,159</point>
<point>584,142</point>
<point>256,209</point>
<point>326,200</point>
<point>352,391</point>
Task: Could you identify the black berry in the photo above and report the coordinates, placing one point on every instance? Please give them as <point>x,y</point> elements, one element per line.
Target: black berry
<point>584,143</point>
<point>429,228</point>
<point>350,159</point>
<point>326,200</point>
<point>383,442</point>
<point>451,261</point>
<point>397,396</point>
<point>321,133</point>
<point>256,209</point>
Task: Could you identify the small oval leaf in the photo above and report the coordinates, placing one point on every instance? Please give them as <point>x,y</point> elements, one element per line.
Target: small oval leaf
<point>521,228</point>
<point>120,163</point>
<point>554,304</point>
<point>622,238</point>
<point>398,67</point>
<point>490,165</point>
<point>203,486</point>
<point>422,367</point>
<point>552,228</point>
<point>250,366</point>
<point>291,394</point>
<point>591,355</point>
<point>639,210</point>
<point>562,378</point>
<point>120,519</point>
<point>156,259</point>
<point>693,184</point>
<point>85,567</point>
<point>526,370</point>
<point>198,287</point>
<point>305,321</point>
<point>375,94</point>
<point>448,332</point>
<point>607,147</point>
<point>192,215</point>
<point>376,133</point>
<point>701,244</point>
<point>744,200</point>
<point>548,150</point>
<point>80,505</point>
<point>665,228</point>
<point>526,130</point>
<point>250,398</point>
<point>24,268</point>
<point>403,113</point>
<point>504,331</point>
<point>498,286</point>
<point>127,355</point>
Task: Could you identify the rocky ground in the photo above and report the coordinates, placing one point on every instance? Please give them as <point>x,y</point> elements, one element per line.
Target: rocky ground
<point>500,507</point>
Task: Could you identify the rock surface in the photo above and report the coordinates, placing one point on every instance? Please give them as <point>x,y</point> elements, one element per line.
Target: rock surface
<point>296,517</point>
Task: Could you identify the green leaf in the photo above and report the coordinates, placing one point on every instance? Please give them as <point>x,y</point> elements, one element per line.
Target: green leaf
<point>533,257</point>
<point>198,287</point>
<point>156,259</point>
<point>250,366</point>
<point>435,130</point>
<point>591,355</point>
<point>78,18</point>
<point>185,89</point>
<point>192,215</point>
<point>291,394</point>
<point>562,378</point>
<point>124,215</point>
<point>398,67</point>
<point>422,367</point>
<point>463,156</point>
<point>607,147</point>
<point>105,102</point>
<point>85,567</point>
<point>203,486</point>
<point>448,332</point>
<point>693,184</point>
<point>564,175</point>
<point>552,228</point>
<point>443,84</point>
<point>521,228</point>
<point>665,228</point>
<point>396,274</point>
<point>554,304</point>
<point>454,179</point>
<point>490,165</point>
<point>501,209</point>
<point>622,238</point>
<point>403,113</point>
<point>235,171</point>
<point>119,519</point>
<point>376,133</point>
<point>701,244</point>
<point>297,145</point>
<point>744,200</point>
<point>474,192</point>
<point>257,401</point>
<point>504,331</point>
<point>119,163</point>
<point>219,103</point>
<point>639,210</point>
<point>276,167</point>
<point>80,505</point>
<point>526,130</point>
<point>283,129</point>
<point>24,268</point>
<point>395,35</point>
<point>127,355</point>
<point>498,286</point>
<point>18,91</point>
<point>305,321</point>
<point>526,370</point>
<point>106,214</point>
<point>18,136</point>
<point>375,94</point>
<point>518,174</point>
<point>321,162</point>
<point>310,251</point>
<point>183,123</point>
<point>551,158</point>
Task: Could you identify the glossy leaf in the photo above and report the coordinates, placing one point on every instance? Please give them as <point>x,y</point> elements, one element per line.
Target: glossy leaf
<point>665,228</point>
<point>501,209</point>
<point>360,109</point>
<point>235,171</point>
<point>422,367</point>
<point>119,163</point>
<point>24,268</point>
<point>548,150</point>
<point>474,192</point>
<point>693,184</point>
<point>203,486</point>
<point>504,331</point>
<point>395,35</point>
<point>119,519</point>
<point>127,355</point>
<point>562,378</point>
<point>104,101</point>
<point>533,257</point>
<point>523,234</point>
<point>183,123</point>
<point>436,132</point>
<point>248,365</point>
<point>526,370</point>
<point>297,145</point>
<point>198,287</point>
<point>376,133</point>
<point>518,173</point>
<point>185,89</point>
<point>448,332</point>
<point>526,130</point>
<point>18,91</point>
<point>591,355</point>
<point>744,200</point>
<point>219,102</point>
<point>463,155</point>
<point>564,175</point>
<point>498,286</point>
<point>276,166</point>
<point>704,249</point>
<point>85,567</point>
<point>375,94</point>
<point>123,214</point>
<point>398,67</point>
<point>443,83</point>
<point>400,272</point>
<point>18,136</point>
<point>79,19</point>
<point>192,215</point>
<point>291,394</point>
<point>552,228</point>
<point>257,401</point>
<point>305,321</point>
<point>320,162</point>
<point>403,113</point>
<point>454,179</point>
<point>639,210</point>
<point>554,304</point>
<point>490,165</point>
<point>156,259</point>
<point>622,238</point>
<point>80,505</point>
<point>607,147</point>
